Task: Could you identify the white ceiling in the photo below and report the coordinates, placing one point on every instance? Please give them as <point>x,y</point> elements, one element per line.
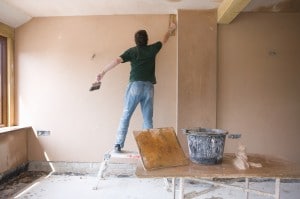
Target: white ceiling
<point>18,12</point>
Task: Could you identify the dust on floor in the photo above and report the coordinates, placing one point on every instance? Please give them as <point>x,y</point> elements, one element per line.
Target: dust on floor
<point>17,183</point>
<point>39,185</point>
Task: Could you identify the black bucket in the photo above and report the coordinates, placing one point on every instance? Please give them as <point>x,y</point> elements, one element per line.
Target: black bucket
<point>206,146</point>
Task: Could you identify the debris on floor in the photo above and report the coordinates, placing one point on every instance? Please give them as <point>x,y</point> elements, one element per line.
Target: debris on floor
<point>15,184</point>
<point>37,185</point>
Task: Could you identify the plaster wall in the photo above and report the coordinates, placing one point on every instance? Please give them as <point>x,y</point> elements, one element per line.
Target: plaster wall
<point>256,83</point>
<point>13,149</point>
<point>259,84</point>
<point>57,60</point>
<point>197,69</point>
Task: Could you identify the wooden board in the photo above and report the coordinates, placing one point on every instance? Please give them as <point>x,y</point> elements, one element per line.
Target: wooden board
<point>271,168</point>
<point>159,148</point>
<point>229,9</point>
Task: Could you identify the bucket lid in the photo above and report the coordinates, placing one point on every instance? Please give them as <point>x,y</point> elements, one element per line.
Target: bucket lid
<point>204,131</point>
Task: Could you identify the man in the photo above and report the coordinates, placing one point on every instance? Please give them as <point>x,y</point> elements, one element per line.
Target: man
<point>140,89</point>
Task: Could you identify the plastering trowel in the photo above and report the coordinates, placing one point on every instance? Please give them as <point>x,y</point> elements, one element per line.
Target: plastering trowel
<point>95,86</point>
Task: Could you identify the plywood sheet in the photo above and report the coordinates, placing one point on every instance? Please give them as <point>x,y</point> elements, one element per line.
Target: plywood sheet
<point>160,148</point>
<point>271,168</point>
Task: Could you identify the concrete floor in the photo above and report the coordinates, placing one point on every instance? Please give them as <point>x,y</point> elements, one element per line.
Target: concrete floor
<point>121,183</point>
<point>62,186</point>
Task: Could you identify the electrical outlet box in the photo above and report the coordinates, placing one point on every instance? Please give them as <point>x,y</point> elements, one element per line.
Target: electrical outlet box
<point>42,133</point>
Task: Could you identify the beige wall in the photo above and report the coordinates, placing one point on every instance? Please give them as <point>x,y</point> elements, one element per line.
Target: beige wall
<point>55,69</point>
<point>197,66</point>
<point>259,84</point>
<point>13,149</point>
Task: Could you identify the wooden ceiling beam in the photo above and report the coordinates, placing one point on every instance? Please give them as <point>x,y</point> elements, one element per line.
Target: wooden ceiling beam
<point>229,9</point>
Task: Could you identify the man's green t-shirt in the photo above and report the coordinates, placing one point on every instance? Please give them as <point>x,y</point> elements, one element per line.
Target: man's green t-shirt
<point>142,59</point>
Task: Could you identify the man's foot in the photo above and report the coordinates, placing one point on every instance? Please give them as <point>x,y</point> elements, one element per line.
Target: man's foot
<point>118,148</point>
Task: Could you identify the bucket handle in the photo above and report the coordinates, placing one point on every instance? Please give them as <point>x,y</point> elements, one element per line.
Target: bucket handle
<point>234,136</point>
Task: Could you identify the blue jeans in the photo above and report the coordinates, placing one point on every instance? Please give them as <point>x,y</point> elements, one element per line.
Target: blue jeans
<point>137,92</point>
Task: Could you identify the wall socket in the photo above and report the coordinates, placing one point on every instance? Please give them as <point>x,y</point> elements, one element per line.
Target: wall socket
<point>42,133</point>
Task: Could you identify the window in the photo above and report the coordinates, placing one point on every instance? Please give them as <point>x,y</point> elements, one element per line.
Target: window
<point>6,76</point>
<point>3,81</point>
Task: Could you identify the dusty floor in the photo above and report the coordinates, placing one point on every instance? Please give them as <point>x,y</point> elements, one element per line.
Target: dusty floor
<point>15,184</point>
<point>37,185</point>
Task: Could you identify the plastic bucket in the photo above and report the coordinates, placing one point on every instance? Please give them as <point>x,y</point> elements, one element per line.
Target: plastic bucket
<point>206,146</point>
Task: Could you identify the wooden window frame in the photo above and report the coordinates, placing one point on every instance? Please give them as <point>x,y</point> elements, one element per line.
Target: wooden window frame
<point>7,79</point>
<point>3,80</point>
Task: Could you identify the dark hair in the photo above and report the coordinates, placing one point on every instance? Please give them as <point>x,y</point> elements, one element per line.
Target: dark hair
<point>141,38</point>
